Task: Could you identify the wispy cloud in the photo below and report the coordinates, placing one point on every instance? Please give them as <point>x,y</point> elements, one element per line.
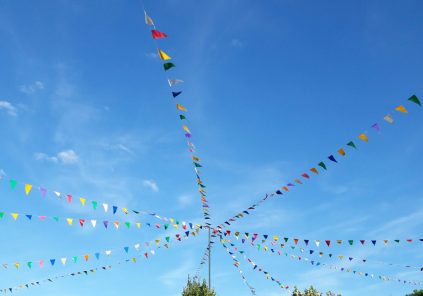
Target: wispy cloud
<point>236,43</point>
<point>151,184</point>
<point>185,200</point>
<point>64,157</point>
<point>8,107</point>
<point>31,88</point>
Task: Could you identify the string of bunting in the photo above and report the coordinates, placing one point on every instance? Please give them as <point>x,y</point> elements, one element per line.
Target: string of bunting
<point>69,198</point>
<point>237,264</point>
<point>322,166</point>
<point>342,269</point>
<point>246,236</point>
<point>134,259</point>
<point>182,112</point>
<point>106,223</point>
<point>41,263</point>
<point>250,261</point>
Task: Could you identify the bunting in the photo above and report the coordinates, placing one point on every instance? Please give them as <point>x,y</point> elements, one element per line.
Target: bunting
<point>364,137</point>
<point>174,82</point>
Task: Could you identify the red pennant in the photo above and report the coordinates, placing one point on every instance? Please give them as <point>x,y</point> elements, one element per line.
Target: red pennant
<point>328,242</point>
<point>295,240</point>
<point>157,34</point>
<point>362,241</point>
<point>69,198</point>
<point>81,221</point>
<point>306,176</point>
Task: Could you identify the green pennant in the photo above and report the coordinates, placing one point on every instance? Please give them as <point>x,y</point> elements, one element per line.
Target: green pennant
<point>29,264</point>
<point>13,184</point>
<point>414,99</point>
<point>75,258</point>
<point>258,246</point>
<point>397,240</point>
<point>285,239</point>
<point>1,215</point>
<point>167,66</point>
<point>177,222</point>
<point>166,226</point>
<point>56,219</point>
<point>292,247</point>
<point>351,242</point>
<point>94,204</point>
<point>167,238</point>
<point>181,117</point>
<point>351,144</point>
<point>128,224</point>
<point>197,165</point>
<point>202,186</point>
<point>322,164</point>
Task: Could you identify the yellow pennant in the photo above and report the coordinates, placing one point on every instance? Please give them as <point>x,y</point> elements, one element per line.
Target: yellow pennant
<point>172,220</point>
<point>388,118</point>
<point>164,55</point>
<point>28,188</point>
<point>341,257</point>
<point>17,264</point>
<point>196,159</point>
<point>314,170</point>
<point>125,210</point>
<point>275,238</point>
<point>180,107</point>
<point>363,137</point>
<point>15,216</point>
<point>157,241</point>
<point>186,129</point>
<point>341,151</point>
<point>70,221</point>
<point>175,226</point>
<point>134,260</point>
<point>82,200</point>
<point>401,109</point>
<point>138,224</point>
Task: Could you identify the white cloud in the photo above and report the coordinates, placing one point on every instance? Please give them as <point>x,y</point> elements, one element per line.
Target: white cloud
<point>8,107</point>
<point>185,200</point>
<point>68,156</point>
<point>31,88</point>
<point>64,157</point>
<point>151,184</point>
<point>236,43</point>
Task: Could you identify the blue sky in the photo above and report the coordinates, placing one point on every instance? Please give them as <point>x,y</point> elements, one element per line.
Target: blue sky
<point>272,88</point>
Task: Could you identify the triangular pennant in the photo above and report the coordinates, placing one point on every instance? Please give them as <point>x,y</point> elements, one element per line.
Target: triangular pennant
<point>94,203</point>
<point>414,99</point>
<point>173,82</point>
<point>93,223</point>
<point>363,137</point>
<point>314,170</point>
<point>164,56</point>
<point>148,19</point>
<point>157,34</point>
<point>341,151</point>
<point>388,118</point>
<point>168,66</point>
<point>401,109</point>
<point>105,207</point>
<point>70,221</point>
<point>351,144</point>
<point>15,216</point>
<point>176,93</point>
<point>332,158</point>
<point>82,200</point>
<point>115,209</point>
<point>180,107</point>
<point>322,164</point>
<point>28,188</point>
<point>13,184</point>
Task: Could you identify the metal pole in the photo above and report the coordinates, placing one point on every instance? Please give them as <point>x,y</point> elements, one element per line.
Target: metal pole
<point>209,261</point>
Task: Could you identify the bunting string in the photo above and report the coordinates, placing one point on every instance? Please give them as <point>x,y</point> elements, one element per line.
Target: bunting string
<point>343,269</point>
<point>322,166</point>
<point>237,264</point>
<point>250,261</point>
<point>28,189</point>
<point>274,239</point>
<point>150,249</point>
<point>182,112</point>
<point>133,259</point>
<point>330,255</point>
<point>106,223</point>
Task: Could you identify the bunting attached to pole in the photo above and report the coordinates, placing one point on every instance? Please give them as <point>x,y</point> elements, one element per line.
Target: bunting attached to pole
<point>364,137</point>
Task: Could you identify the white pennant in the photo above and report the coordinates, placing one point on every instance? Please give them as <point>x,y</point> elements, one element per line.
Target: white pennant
<point>94,223</point>
<point>108,252</point>
<point>106,207</point>
<point>63,261</point>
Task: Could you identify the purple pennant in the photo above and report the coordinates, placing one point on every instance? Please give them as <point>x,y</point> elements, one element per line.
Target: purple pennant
<point>187,135</point>
<point>290,184</point>
<point>376,127</point>
<point>106,223</point>
<point>43,191</point>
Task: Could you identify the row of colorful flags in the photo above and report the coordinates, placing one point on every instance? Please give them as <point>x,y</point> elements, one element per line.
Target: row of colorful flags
<point>385,278</point>
<point>106,223</point>
<point>94,205</point>
<point>150,246</point>
<point>182,110</point>
<point>323,165</point>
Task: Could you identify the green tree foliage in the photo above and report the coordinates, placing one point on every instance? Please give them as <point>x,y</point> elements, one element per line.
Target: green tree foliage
<point>312,292</point>
<point>416,293</point>
<point>195,288</point>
